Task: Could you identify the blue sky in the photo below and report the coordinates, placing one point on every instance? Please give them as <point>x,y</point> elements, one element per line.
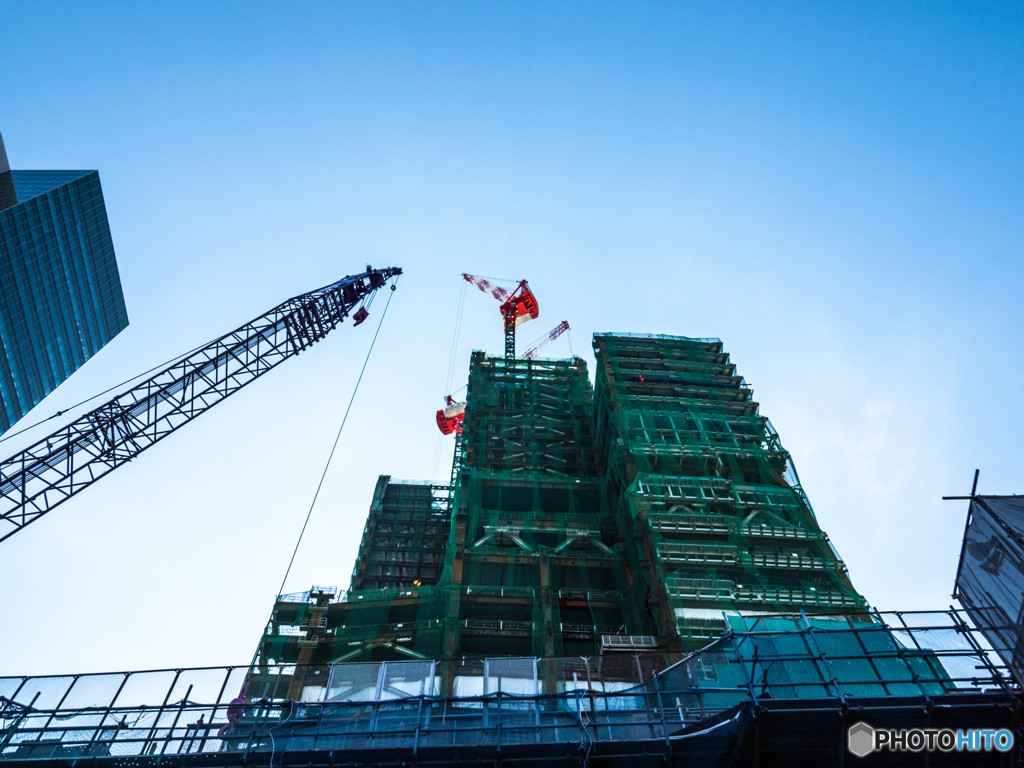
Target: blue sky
<point>834,189</point>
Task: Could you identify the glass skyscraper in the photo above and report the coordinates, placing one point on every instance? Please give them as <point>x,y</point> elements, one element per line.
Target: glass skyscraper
<point>60,292</point>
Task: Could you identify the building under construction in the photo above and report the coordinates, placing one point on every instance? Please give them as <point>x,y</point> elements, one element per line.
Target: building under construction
<point>635,515</point>
<point>627,573</point>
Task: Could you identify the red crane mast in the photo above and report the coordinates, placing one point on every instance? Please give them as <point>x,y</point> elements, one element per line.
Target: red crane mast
<point>517,306</point>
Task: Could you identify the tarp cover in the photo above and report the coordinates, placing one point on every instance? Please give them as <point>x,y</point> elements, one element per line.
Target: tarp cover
<point>990,580</point>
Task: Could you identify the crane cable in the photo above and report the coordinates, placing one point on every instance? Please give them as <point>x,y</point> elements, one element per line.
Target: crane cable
<point>167,364</point>
<point>61,412</point>
<point>337,437</point>
<point>366,303</point>
<point>451,368</point>
<point>455,339</point>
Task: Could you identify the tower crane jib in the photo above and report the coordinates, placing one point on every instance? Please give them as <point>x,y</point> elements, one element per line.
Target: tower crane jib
<point>517,307</point>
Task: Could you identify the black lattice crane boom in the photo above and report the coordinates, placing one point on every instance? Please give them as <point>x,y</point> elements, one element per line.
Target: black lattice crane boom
<point>64,463</point>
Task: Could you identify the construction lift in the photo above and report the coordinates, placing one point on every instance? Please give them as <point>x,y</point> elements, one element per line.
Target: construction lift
<point>49,472</point>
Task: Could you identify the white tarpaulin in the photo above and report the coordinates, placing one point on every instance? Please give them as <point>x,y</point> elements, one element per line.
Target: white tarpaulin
<point>990,580</point>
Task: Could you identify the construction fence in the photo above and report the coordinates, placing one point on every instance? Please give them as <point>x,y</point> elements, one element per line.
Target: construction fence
<point>626,697</point>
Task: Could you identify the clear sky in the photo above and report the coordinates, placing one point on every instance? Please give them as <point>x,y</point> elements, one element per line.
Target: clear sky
<point>834,189</point>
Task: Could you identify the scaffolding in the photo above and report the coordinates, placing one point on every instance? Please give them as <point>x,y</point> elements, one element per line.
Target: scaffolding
<point>639,513</point>
<point>716,510</point>
<point>534,557</point>
<point>404,539</point>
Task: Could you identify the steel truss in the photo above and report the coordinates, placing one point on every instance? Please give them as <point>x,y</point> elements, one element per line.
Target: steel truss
<point>66,462</point>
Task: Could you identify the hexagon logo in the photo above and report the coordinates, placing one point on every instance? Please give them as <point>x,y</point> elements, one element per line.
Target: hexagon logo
<point>860,739</point>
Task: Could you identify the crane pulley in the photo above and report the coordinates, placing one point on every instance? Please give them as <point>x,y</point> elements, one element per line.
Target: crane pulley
<point>66,462</point>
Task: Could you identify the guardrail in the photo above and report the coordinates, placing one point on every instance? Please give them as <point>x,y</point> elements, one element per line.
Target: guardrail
<point>623,696</point>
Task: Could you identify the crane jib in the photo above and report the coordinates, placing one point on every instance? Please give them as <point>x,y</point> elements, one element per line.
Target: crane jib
<point>70,459</point>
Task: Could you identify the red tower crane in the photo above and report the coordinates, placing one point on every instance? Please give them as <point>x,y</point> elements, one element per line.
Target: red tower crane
<point>517,307</point>
<point>550,336</point>
<point>450,418</point>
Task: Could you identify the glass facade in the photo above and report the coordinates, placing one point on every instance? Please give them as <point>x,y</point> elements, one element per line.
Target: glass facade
<point>60,292</point>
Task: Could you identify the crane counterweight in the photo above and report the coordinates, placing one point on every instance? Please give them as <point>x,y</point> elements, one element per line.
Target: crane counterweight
<point>517,307</point>
<point>451,417</point>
